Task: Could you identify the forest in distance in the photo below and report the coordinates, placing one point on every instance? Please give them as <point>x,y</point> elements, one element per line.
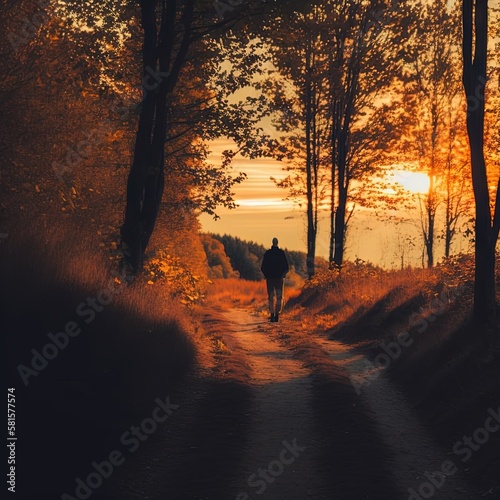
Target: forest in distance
<point>147,356</point>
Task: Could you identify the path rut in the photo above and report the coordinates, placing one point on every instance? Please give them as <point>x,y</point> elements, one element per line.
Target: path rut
<point>417,460</point>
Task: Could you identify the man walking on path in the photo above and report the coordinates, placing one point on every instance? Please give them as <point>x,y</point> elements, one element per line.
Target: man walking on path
<point>274,268</point>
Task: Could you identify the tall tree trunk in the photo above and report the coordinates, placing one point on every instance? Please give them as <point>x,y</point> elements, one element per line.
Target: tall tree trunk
<point>311,228</point>
<point>334,142</point>
<point>342,183</point>
<point>146,177</point>
<point>332,218</point>
<point>448,230</point>
<point>474,80</point>
<point>430,241</point>
<point>132,230</point>
<point>340,215</point>
<point>344,119</point>
<point>431,201</point>
<point>431,222</point>
<point>453,200</point>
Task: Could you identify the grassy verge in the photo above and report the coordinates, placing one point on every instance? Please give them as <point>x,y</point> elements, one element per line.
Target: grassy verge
<point>88,354</point>
<point>243,293</point>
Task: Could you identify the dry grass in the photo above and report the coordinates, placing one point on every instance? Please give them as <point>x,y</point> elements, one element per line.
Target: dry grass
<point>331,299</point>
<point>237,292</point>
<point>131,349</point>
<point>367,306</point>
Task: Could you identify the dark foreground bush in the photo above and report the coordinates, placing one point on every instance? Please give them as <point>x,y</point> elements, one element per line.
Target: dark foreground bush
<point>87,355</point>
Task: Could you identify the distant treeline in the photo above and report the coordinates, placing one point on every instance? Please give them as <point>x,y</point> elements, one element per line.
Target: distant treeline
<point>227,254</point>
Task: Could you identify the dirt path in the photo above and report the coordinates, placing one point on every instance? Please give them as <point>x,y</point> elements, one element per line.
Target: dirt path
<point>274,414</point>
<point>282,452</point>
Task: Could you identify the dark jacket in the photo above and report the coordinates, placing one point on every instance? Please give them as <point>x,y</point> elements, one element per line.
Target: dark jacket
<point>275,263</point>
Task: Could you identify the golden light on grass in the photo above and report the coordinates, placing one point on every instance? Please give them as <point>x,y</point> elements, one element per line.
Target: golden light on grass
<point>240,292</point>
<point>415,182</point>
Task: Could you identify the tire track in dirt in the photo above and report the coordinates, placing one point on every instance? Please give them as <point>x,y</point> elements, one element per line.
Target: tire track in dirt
<point>415,452</point>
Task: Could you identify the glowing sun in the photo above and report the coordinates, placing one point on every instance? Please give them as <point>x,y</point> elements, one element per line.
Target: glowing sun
<point>415,182</point>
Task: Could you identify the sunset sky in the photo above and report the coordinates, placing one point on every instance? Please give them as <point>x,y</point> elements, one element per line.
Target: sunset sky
<point>262,214</point>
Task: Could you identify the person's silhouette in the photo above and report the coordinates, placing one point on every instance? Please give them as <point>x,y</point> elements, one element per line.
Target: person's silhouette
<point>274,268</point>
